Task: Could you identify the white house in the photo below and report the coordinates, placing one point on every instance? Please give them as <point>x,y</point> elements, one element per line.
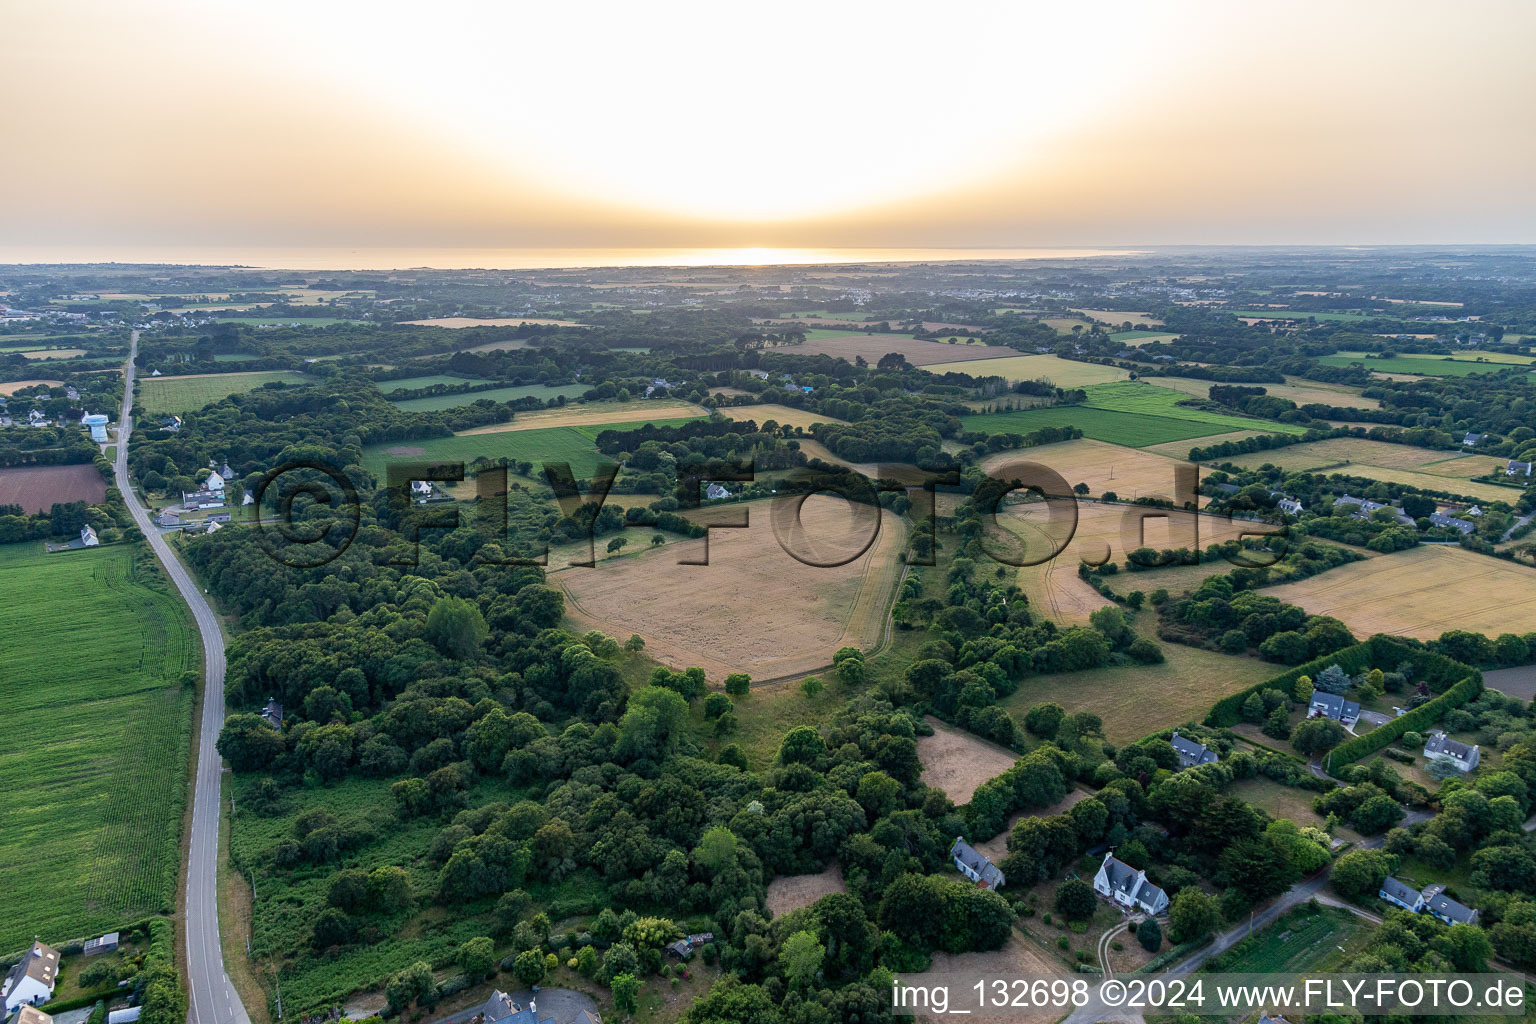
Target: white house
<point>1440,747</point>
<point>1401,894</point>
<point>976,866</point>
<point>215,482</point>
<point>1128,887</point>
<point>1290,506</point>
<point>88,537</point>
<point>1191,753</point>
<point>1331,705</point>
<point>31,981</point>
<point>714,492</point>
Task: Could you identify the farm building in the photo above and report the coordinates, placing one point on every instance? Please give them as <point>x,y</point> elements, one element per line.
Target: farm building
<point>1441,747</point>
<point>127,1015</point>
<point>1128,887</point>
<point>32,1015</point>
<point>1191,753</point>
<point>976,866</point>
<point>1456,524</point>
<point>31,981</point>
<point>106,944</point>
<point>1331,705</point>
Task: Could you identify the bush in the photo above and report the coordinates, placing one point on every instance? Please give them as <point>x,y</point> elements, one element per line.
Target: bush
<point>1150,934</point>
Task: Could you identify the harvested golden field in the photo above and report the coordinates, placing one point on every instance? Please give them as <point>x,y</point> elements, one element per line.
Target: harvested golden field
<point>872,346</point>
<point>1297,389</point>
<point>1115,317</point>
<point>754,608</point>
<point>594,413</point>
<point>53,353</point>
<point>1389,463</point>
<point>958,762</point>
<point>457,322</point>
<point>780,414</point>
<point>1064,373</point>
<point>791,892</point>
<point>1137,700</point>
<point>13,386</point>
<point>1129,472</point>
<point>1422,592</point>
<point>1180,449</point>
<point>1054,588</point>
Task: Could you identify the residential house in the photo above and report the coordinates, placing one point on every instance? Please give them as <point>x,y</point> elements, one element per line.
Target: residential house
<point>72,394</point>
<point>1440,747</point>
<point>88,537</point>
<point>1472,439</point>
<point>1474,511</point>
<point>1331,705</point>
<point>684,947</point>
<point>168,521</point>
<point>502,1009</point>
<point>106,944</point>
<point>171,423</point>
<point>31,981</point>
<point>1438,904</point>
<point>1191,753</point>
<point>1290,506</point>
<point>975,865</point>
<point>1367,508</point>
<point>218,517</point>
<point>1401,894</point>
<point>1463,525</point>
<point>31,1015</point>
<point>36,418</point>
<point>1518,468</point>
<point>1128,887</point>
<point>248,499</point>
<point>214,483</point>
<point>201,499</point>
<point>421,490</point>
<point>272,714</point>
<point>714,492</point>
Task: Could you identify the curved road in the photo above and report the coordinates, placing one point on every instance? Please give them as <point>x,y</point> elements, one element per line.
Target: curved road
<point>214,1000</point>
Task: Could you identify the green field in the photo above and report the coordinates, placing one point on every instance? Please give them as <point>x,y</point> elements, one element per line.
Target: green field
<point>1302,939</point>
<point>1133,413</point>
<point>1141,337</point>
<point>1427,366</point>
<point>437,403</point>
<point>432,380</point>
<point>833,334</point>
<point>576,445</point>
<point>285,321</point>
<point>93,759</point>
<point>184,394</point>
<point>1293,314</point>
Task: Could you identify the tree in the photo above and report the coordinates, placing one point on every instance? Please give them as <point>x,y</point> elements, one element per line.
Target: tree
<point>1044,719</point>
<point>1317,735</point>
<point>653,722</point>
<point>1302,693</point>
<point>616,543</point>
<point>408,986</point>
<point>811,686</point>
<point>529,967</point>
<point>635,644</point>
<point>803,745</point>
<point>456,627</point>
<point>333,928</point>
<point>626,993</point>
<point>1359,873</point>
<point>1192,914</point>
<point>800,959</point>
<point>476,958</point>
<point>1150,934</point>
<point>1278,724</point>
<point>737,684</point>
<point>1075,899</point>
<point>249,744</point>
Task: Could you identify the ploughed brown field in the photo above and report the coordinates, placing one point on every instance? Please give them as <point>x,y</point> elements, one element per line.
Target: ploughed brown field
<point>38,488</point>
<point>754,608</point>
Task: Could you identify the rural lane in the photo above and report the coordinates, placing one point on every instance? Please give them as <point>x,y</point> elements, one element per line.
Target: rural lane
<point>214,1000</point>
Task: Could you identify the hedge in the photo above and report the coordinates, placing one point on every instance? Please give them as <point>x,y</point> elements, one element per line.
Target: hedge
<point>1424,715</point>
<point>1382,651</point>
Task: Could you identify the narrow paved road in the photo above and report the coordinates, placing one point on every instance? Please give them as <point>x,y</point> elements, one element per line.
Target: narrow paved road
<point>214,1000</point>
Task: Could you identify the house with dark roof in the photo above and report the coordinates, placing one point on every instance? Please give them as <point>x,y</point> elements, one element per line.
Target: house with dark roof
<point>1517,468</point>
<point>105,944</point>
<point>1472,439</point>
<point>503,1009</point>
<point>1437,519</point>
<point>1290,506</point>
<point>272,714</point>
<point>1191,753</point>
<point>975,865</point>
<point>1331,705</point>
<point>1127,886</point>
<point>31,981</point>
<point>1440,747</point>
<point>1401,894</point>
<point>1437,903</point>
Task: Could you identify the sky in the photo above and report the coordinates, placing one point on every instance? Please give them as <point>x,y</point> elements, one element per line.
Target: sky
<point>290,123</point>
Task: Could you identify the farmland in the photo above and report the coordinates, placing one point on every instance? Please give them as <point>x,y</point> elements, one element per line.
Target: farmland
<point>1422,592</point>
<point>848,345</point>
<point>13,386</point>
<point>1110,316</point>
<point>791,892</point>
<point>781,414</point>
<point>37,488</point>
<point>432,380</point>
<point>1138,338</point>
<point>958,762</point>
<point>93,760</point>
<point>1391,463</point>
<point>54,353</point>
<point>1427,366</point>
<point>754,608</point>
<point>437,403</point>
<point>1304,939</point>
<point>185,394</point>
<point>1135,700</point>
<point>576,445</point>
<point>460,322</point>
<point>585,414</point>
<point>1297,389</point>
<point>1129,472</point>
<point>1064,373</point>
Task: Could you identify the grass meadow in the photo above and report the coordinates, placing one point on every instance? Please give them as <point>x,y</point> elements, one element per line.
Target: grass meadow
<point>93,759</point>
<point>437,403</point>
<point>1424,366</point>
<point>576,445</point>
<point>185,394</point>
<point>432,380</point>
